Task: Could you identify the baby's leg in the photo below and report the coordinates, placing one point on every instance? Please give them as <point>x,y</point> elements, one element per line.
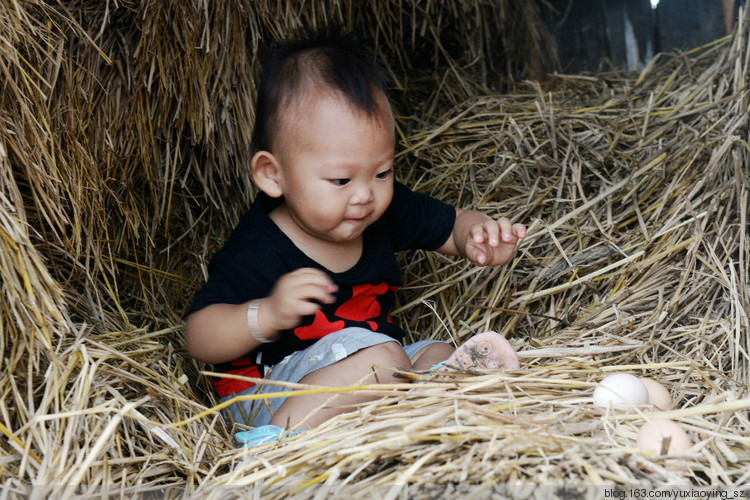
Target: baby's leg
<point>488,350</point>
<point>431,354</point>
<point>306,412</point>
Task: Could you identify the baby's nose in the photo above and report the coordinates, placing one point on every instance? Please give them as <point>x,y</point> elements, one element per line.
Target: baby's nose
<point>363,194</point>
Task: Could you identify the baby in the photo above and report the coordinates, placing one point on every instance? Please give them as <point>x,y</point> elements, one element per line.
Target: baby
<point>303,289</point>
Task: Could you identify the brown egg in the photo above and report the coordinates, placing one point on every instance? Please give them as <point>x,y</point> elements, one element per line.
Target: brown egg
<point>654,434</point>
<point>658,395</point>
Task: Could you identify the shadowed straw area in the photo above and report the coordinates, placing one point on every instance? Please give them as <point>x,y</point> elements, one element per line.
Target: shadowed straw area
<point>121,171</point>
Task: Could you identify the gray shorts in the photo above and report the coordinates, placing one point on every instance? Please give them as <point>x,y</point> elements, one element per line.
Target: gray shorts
<point>326,351</point>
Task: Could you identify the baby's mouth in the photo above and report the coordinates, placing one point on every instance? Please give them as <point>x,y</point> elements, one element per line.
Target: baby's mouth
<point>357,219</point>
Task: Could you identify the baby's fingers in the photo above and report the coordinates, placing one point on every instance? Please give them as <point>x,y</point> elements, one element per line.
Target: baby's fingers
<point>478,253</point>
<point>506,230</point>
<point>485,233</point>
<point>493,242</point>
<point>310,276</point>
<point>305,285</point>
<point>511,233</point>
<point>519,230</point>
<point>316,286</point>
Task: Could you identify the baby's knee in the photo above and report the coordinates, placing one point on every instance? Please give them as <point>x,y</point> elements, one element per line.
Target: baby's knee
<point>442,349</point>
<point>380,360</point>
<point>432,354</point>
<point>389,354</point>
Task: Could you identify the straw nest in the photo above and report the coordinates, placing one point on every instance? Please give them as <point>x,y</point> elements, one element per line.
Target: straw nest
<point>122,170</point>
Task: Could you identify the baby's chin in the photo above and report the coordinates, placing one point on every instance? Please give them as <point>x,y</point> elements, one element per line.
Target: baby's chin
<point>350,229</point>
<point>344,237</point>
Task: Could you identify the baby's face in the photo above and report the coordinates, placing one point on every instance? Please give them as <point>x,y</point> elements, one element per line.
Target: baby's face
<point>336,166</point>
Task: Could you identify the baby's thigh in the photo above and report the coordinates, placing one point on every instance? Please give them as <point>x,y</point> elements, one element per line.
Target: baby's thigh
<point>372,364</point>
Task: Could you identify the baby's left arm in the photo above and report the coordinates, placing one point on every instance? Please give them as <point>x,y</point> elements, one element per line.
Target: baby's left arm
<point>482,240</point>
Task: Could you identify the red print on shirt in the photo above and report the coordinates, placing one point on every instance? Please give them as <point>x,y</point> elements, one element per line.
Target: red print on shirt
<point>363,306</point>
<point>320,327</point>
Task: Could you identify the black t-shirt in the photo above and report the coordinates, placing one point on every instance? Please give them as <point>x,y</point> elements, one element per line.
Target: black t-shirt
<point>258,253</point>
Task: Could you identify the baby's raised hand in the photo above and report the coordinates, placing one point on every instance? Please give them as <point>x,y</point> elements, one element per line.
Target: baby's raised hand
<point>296,294</point>
<point>492,242</point>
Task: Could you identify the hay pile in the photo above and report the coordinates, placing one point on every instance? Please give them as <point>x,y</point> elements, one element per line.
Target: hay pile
<point>122,153</point>
<point>636,188</point>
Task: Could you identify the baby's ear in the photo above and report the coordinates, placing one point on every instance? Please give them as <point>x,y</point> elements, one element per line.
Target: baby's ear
<point>266,169</point>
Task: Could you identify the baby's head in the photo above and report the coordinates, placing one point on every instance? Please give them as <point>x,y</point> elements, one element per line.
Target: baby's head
<point>324,139</point>
<point>318,62</point>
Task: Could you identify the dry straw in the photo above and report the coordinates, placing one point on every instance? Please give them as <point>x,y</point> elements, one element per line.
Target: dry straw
<point>123,134</point>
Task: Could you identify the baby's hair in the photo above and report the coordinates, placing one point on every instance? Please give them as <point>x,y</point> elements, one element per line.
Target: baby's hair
<point>328,59</point>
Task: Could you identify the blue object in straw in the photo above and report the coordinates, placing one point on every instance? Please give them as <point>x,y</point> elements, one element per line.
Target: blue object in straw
<point>262,435</point>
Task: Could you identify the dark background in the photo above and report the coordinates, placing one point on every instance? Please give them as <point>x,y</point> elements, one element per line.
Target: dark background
<point>600,35</point>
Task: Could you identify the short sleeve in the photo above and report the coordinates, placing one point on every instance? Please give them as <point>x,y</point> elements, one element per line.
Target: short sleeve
<point>418,221</point>
<point>231,278</point>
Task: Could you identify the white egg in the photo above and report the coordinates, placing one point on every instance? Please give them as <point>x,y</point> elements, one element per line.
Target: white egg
<point>620,391</point>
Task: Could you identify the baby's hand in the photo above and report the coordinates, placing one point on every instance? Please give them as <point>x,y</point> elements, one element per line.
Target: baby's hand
<point>293,297</point>
<point>492,243</point>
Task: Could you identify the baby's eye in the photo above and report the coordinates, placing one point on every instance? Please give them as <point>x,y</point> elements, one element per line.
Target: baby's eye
<point>340,182</point>
<point>385,174</point>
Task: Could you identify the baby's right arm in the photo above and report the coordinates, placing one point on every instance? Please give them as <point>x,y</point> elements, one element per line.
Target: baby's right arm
<point>219,333</point>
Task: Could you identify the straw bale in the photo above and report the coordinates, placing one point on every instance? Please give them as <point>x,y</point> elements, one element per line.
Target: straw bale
<point>124,129</point>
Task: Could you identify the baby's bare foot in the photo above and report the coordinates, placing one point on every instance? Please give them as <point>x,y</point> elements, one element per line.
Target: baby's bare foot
<point>488,350</point>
